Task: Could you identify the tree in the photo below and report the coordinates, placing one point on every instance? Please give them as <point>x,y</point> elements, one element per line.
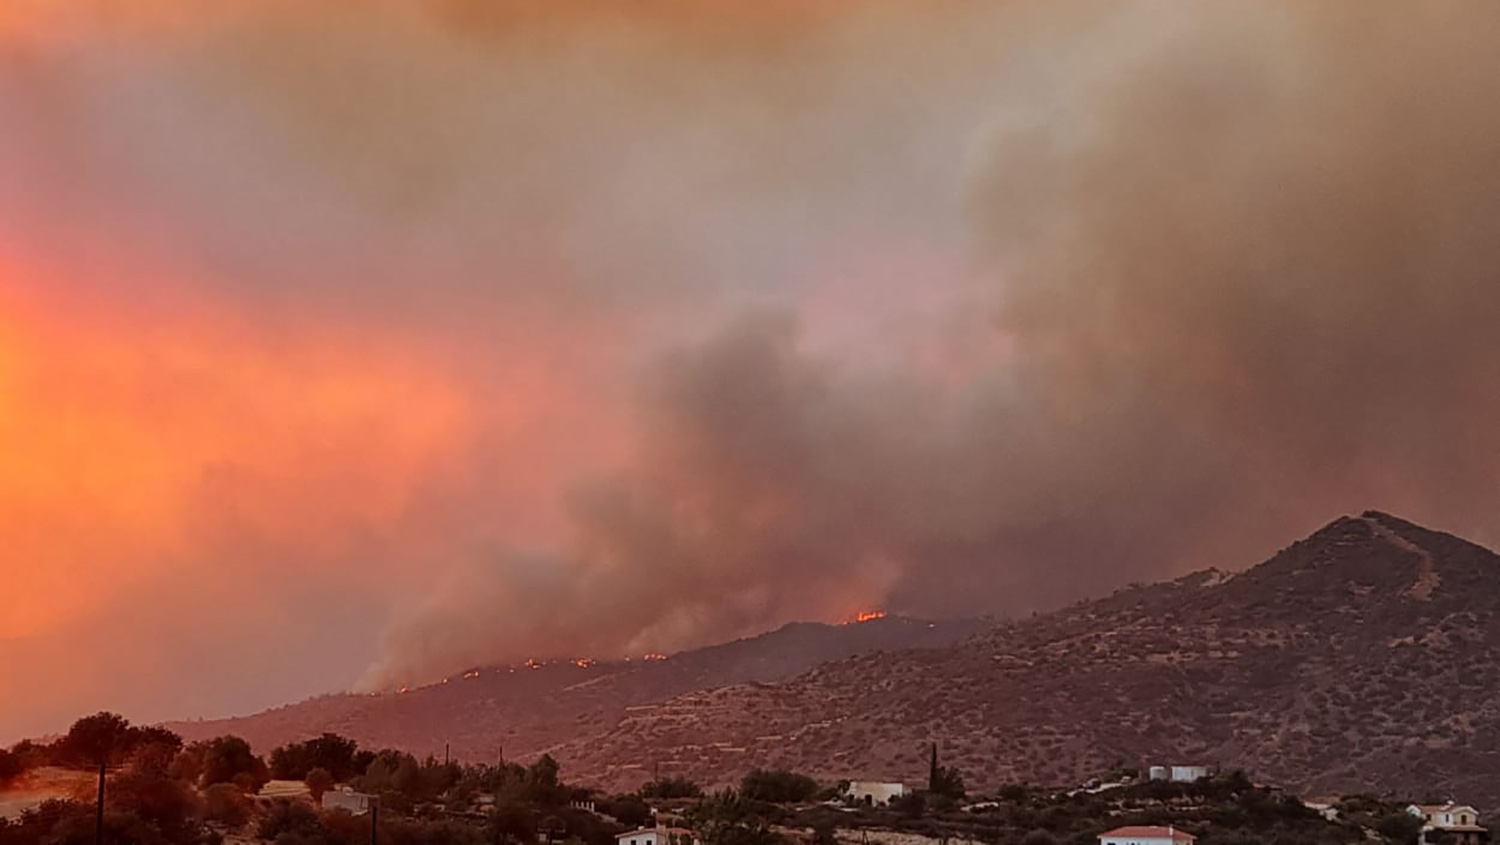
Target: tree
<point>339,755</point>
<point>629,811</point>
<point>11,767</point>
<point>542,784</point>
<point>1400,827</point>
<point>676,787</point>
<point>912,805</point>
<point>226,804</point>
<point>544,771</point>
<point>155,750</point>
<point>165,802</point>
<point>289,818</point>
<point>101,738</point>
<point>1038,837</point>
<point>777,786</point>
<point>728,818</point>
<point>944,780</point>
<point>228,759</point>
<point>319,781</point>
<point>513,821</point>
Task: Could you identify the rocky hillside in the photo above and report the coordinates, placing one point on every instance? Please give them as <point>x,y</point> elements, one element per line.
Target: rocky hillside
<point>1366,657</point>
<point>521,711</point>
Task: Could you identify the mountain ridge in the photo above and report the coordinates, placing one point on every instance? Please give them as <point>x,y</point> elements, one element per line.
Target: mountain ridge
<point>1359,657</point>
<point>525,710</point>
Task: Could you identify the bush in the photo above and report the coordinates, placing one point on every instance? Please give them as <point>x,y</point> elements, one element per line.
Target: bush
<point>226,804</point>
<point>678,787</point>
<point>11,767</point>
<point>289,817</point>
<point>340,756</point>
<point>1400,827</point>
<point>319,781</point>
<point>778,786</point>
<point>628,810</point>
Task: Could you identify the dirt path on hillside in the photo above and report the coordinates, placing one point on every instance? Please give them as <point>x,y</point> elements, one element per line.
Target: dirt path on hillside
<point>1428,579</point>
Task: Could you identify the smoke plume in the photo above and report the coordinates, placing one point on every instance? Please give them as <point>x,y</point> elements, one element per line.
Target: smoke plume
<point>447,333</point>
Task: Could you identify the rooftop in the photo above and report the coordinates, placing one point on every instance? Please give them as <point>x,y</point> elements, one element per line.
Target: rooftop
<point>1148,832</point>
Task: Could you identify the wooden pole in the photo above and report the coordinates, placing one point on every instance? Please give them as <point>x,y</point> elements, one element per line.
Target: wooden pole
<point>99,809</point>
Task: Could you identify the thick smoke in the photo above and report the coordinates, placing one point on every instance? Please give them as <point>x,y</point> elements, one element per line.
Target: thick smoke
<point>1234,285</point>
<point>496,330</point>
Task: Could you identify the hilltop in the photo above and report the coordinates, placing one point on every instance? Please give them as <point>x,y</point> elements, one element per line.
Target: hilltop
<point>1366,656</point>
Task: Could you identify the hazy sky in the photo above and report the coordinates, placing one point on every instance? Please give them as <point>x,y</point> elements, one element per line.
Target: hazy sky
<point>360,343</point>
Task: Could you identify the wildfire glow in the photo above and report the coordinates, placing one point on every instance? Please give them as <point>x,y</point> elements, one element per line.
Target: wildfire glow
<point>865,616</point>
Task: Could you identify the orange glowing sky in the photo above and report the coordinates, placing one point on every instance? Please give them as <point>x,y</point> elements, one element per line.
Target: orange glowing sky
<point>363,343</point>
<point>294,324</point>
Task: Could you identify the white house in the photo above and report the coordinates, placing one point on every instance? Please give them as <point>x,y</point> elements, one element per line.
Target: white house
<point>875,793</point>
<point>1146,835</point>
<point>657,836</point>
<point>345,798</point>
<point>1457,820</point>
<point>1189,774</point>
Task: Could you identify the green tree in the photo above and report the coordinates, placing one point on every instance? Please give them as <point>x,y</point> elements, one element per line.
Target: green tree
<point>944,780</point>
<point>339,755</point>
<point>777,786</point>
<point>674,787</point>
<point>289,818</point>
<point>1400,827</point>
<point>319,781</point>
<point>11,767</point>
<point>728,818</point>
<point>226,804</point>
<point>913,805</point>
<point>513,821</point>
<point>629,811</point>
<point>228,759</point>
<point>101,738</point>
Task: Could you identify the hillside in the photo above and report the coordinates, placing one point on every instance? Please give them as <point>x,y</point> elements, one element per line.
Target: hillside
<point>1366,656</point>
<point>521,711</point>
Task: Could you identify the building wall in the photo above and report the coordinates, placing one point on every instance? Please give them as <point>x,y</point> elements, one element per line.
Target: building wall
<point>1188,774</point>
<point>354,802</point>
<point>875,792</point>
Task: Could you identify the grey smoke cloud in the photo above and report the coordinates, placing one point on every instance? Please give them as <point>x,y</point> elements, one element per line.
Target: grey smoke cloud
<point>1239,283</point>
<point>768,315</point>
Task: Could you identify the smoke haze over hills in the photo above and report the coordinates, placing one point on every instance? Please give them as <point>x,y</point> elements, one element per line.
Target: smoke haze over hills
<point>362,346</point>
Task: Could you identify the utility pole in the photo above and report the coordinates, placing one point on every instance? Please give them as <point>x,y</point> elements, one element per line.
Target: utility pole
<point>445,754</point>
<point>374,821</point>
<point>99,809</point>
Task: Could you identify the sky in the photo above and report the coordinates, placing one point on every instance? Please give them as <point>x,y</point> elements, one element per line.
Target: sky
<point>351,345</point>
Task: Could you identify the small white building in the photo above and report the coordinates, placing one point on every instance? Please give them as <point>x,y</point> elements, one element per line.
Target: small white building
<point>1146,835</point>
<point>874,793</point>
<point>657,836</point>
<point>1460,821</point>
<point>1190,774</point>
<point>345,798</point>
